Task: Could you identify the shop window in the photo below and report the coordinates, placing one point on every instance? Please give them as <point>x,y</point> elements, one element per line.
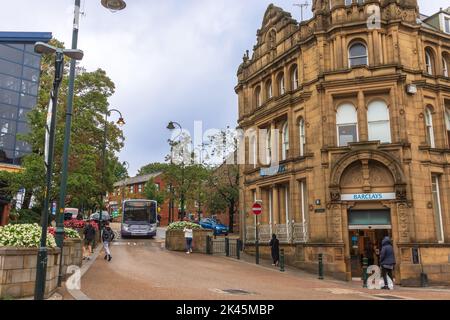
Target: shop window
<point>429,61</point>
<point>378,122</point>
<point>347,125</point>
<point>437,207</point>
<point>301,127</point>
<point>357,54</point>
<point>429,127</point>
<point>285,141</point>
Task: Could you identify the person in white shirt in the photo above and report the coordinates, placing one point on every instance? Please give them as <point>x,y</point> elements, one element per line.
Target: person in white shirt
<point>188,235</point>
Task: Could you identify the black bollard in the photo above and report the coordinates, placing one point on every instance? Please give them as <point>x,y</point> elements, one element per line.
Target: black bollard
<point>321,266</point>
<point>238,249</point>
<point>365,267</point>
<point>282,260</point>
<point>227,247</point>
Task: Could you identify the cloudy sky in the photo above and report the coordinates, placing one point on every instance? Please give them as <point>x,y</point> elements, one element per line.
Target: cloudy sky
<point>170,60</point>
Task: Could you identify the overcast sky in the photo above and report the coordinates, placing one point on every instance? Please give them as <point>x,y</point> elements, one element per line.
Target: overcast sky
<point>170,60</point>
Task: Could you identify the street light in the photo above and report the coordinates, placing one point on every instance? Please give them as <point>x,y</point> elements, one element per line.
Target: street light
<point>171,126</point>
<point>120,123</point>
<point>59,234</point>
<point>43,48</point>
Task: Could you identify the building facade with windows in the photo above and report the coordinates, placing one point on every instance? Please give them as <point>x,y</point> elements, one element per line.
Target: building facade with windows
<point>347,125</point>
<point>19,84</point>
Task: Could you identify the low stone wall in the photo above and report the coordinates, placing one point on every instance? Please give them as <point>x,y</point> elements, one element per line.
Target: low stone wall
<point>72,254</point>
<point>175,240</point>
<point>18,272</point>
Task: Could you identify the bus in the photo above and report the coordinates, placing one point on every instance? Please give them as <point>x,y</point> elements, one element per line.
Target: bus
<point>139,218</point>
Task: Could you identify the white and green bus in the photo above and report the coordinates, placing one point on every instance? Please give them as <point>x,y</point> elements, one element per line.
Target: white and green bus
<point>139,218</point>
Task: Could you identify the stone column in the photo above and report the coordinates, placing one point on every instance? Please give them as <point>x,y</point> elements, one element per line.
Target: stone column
<point>362,118</point>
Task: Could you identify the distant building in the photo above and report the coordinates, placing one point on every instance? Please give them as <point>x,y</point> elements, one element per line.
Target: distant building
<point>19,85</point>
<point>133,188</point>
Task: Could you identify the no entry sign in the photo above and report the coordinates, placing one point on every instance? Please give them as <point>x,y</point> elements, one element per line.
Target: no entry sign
<point>257,209</point>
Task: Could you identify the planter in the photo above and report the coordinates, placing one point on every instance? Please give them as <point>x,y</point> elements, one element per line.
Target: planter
<point>18,272</point>
<point>175,240</point>
<point>72,254</point>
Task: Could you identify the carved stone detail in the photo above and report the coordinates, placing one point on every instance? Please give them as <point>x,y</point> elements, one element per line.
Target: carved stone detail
<point>403,221</point>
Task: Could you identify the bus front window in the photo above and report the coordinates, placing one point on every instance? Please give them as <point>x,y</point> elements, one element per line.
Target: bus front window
<point>140,212</point>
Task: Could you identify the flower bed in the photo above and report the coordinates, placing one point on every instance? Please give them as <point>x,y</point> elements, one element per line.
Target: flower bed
<point>68,233</point>
<point>24,236</point>
<point>183,224</point>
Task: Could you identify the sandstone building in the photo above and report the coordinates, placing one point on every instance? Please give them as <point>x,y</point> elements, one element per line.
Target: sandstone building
<point>356,103</point>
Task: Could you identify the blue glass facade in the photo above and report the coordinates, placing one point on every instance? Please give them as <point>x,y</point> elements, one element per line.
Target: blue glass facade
<point>19,84</point>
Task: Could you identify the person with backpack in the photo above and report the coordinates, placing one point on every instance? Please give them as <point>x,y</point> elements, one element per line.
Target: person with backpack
<point>387,261</point>
<point>107,237</point>
<point>89,237</point>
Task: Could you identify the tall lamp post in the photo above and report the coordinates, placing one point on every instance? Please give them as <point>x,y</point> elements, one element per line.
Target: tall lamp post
<point>43,48</point>
<point>172,126</point>
<point>120,122</point>
<point>122,190</point>
<point>114,5</point>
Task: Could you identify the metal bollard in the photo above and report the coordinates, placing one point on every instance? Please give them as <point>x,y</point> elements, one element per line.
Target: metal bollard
<point>257,251</point>
<point>321,266</point>
<point>227,247</point>
<point>365,266</point>
<point>238,249</point>
<point>282,260</point>
<point>208,245</point>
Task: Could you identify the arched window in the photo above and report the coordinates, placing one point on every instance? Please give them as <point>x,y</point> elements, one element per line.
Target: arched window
<point>281,85</point>
<point>347,124</point>
<point>301,128</point>
<point>445,63</point>
<point>429,125</point>
<point>294,77</point>
<point>258,98</point>
<point>447,123</point>
<point>378,121</point>
<point>269,91</point>
<point>357,54</point>
<point>429,62</point>
<point>285,141</point>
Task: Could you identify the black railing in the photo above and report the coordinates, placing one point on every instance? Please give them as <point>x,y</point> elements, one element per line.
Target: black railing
<point>224,246</point>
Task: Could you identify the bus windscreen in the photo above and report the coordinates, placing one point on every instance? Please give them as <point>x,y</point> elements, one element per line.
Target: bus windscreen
<point>140,212</point>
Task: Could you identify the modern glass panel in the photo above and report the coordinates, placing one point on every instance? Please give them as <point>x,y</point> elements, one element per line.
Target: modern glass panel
<point>22,127</point>
<point>6,156</point>
<point>11,54</point>
<point>23,114</point>
<point>32,60</point>
<point>29,87</point>
<point>27,101</point>
<point>19,46</point>
<point>10,68</point>
<point>7,141</point>
<point>8,112</point>
<point>7,126</point>
<point>29,47</point>
<point>9,82</point>
<point>9,97</point>
<point>368,218</point>
<point>31,74</point>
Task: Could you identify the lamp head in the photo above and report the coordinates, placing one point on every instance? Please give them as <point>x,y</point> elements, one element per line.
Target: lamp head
<point>114,5</point>
<point>44,48</point>
<point>74,54</point>
<point>121,122</point>
<point>171,126</point>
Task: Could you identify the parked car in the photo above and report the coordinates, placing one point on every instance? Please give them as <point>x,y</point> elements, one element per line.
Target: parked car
<point>217,227</point>
<point>105,217</point>
<point>71,213</point>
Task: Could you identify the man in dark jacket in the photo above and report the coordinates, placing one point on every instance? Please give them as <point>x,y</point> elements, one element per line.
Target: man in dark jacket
<point>89,236</point>
<point>107,237</point>
<point>387,261</point>
<point>275,248</point>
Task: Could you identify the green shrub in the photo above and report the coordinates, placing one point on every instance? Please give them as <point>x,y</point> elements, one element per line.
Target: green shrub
<point>25,216</point>
<point>182,224</point>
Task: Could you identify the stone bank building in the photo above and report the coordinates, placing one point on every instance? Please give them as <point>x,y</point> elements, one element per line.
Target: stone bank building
<point>358,112</point>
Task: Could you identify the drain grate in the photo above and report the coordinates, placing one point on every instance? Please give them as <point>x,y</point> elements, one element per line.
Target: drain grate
<point>388,297</point>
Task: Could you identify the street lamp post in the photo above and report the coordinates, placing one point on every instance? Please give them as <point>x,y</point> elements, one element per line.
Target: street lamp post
<point>120,122</point>
<point>43,48</point>
<point>59,234</point>
<point>171,127</point>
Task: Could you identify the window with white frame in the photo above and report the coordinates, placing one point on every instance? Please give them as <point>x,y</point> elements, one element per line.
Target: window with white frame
<point>294,77</point>
<point>429,63</point>
<point>357,54</point>
<point>348,2</point>
<point>429,126</point>
<point>347,124</point>
<point>268,146</point>
<point>437,207</point>
<point>269,91</point>
<point>447,25</point>
<point>378,122</point>
<point>304,209</point>
<point>258,98</point>
<point>285,141</point>
<point>131,189</point>
<point>445,66</point>
<point>140,188</point>
<point>447,123</point>
<point>301,127</point>
<point>281,85</point>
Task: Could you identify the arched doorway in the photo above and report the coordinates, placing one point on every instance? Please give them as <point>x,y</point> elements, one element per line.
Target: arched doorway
<point>368,186</point>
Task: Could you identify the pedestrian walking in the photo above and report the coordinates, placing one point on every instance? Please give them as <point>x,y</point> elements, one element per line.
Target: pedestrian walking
<point>188,235</point>
<point>275,248</point>
<point>387,261</point>
<point>107,237</point>
<point>89,236</point>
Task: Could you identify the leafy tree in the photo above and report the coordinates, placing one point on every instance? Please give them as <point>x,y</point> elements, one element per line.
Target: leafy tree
<point>152,192</point>
<point>152,168</point>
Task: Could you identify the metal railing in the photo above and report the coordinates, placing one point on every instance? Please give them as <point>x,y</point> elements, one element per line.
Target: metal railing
<point>224,246</point>
<point>287,233</point>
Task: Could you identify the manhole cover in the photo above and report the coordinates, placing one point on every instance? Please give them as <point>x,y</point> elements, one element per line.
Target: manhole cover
<point>388,297</point>
<point>338,291</point>
<point>239,292</point>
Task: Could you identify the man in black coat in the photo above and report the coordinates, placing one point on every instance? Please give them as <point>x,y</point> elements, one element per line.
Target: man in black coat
<point>387,261</point>
<point>275,248</point>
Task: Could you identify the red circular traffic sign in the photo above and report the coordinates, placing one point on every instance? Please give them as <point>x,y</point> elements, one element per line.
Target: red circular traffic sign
<point>257,209</point>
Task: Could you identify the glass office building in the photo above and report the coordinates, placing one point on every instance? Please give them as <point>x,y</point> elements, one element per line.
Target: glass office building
<point>19,83</point>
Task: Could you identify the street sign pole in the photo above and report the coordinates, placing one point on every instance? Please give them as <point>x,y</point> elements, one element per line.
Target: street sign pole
<point>257,241</point>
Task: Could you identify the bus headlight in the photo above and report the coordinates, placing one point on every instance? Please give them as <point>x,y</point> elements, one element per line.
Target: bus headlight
<point>125,227</point>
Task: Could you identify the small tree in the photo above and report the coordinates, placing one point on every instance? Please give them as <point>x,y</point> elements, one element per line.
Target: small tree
<point>152,192</point>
